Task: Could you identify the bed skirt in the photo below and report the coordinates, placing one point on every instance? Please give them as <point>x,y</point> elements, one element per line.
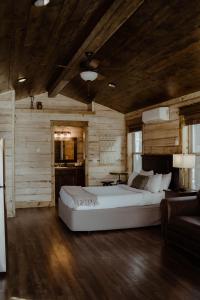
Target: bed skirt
<point>110,218</point>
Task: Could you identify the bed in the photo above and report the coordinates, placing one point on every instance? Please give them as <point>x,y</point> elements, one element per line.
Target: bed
<point>119,206</point>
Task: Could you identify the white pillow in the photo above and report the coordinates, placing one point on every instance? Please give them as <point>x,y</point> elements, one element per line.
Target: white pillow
<point>165,182</point>
<point>131,177</point>
<point>154,183</point>
<point>146,173</point>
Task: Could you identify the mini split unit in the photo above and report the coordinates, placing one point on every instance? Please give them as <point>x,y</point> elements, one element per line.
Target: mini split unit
<point>157,115</point>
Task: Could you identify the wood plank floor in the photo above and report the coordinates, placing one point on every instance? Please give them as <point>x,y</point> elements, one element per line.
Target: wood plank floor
<point>47,261</point>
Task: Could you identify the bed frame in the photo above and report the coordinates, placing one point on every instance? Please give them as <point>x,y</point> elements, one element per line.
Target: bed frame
<point>161,164</point>
<point>123,217</point>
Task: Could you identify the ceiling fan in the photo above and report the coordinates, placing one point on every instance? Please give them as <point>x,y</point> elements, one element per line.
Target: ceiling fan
<point>89,68</point>
<point>89,72</point>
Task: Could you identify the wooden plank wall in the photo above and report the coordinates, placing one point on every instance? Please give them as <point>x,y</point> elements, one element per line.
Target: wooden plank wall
<point>7,133</point>
<point>33,175</point>
<point>165,138</point>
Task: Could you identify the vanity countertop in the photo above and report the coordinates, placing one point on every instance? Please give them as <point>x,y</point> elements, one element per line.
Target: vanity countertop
<point>67,167</point>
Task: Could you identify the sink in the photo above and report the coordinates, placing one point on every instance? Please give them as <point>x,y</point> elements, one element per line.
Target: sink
<point>66,167</point>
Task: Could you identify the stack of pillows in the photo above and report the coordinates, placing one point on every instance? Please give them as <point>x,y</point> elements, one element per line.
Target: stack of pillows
<point>146,180</point>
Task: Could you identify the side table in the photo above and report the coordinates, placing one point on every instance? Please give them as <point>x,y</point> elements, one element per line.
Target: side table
<point>107,182</point>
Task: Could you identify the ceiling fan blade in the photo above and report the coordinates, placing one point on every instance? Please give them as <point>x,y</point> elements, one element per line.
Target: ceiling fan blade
<point>53,3</point>
<point>112,68</point>
<point>61,66</point>
<point>101,77</point>
<point>94,63</point>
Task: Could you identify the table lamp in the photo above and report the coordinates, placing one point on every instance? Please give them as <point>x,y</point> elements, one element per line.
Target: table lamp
<point>183,162</point>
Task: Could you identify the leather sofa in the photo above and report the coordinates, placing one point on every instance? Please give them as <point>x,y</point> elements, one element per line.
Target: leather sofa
<point>183,223</point>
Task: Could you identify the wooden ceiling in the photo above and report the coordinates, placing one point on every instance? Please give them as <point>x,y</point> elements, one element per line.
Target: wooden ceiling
<point>149,49</point>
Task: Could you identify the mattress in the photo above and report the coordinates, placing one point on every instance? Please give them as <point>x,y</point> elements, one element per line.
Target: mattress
<point>115,197</point>
<point>109,218</point>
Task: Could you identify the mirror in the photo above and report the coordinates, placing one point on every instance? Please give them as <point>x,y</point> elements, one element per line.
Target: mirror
<point>66,150</point>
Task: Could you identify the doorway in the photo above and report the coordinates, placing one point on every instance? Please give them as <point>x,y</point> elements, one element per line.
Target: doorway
<point>69,155</point>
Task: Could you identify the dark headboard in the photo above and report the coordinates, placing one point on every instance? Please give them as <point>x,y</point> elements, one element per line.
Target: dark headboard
<point>161,164</point>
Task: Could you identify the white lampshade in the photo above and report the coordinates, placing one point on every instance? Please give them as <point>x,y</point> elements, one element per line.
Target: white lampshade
<point>185,161</point>
<point>89,75</point>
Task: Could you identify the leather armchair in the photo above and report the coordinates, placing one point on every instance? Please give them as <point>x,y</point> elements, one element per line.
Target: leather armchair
<point>183,223</point>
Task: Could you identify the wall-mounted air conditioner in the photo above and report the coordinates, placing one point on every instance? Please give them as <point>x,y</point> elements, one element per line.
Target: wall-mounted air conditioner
<point>157,115</point>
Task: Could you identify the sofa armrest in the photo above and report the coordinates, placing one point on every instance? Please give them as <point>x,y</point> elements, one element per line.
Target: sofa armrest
<point>182,206</point>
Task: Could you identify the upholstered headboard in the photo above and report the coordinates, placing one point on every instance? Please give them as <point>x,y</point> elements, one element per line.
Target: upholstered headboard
<point>161,164</point>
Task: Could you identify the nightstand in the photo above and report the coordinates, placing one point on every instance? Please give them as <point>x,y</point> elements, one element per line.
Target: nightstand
<point>172,194</point>
<point>107,182</point>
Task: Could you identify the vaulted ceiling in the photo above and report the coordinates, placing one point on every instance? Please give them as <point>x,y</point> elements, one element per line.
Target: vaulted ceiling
<point>149,49</point>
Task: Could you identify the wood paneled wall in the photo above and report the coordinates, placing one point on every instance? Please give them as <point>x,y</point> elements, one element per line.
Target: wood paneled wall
<point>33,172</point>
<point>165,138</point>
<point>7,101</point>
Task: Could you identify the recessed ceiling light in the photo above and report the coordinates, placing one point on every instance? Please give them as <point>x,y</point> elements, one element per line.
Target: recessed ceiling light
<point>21,79</point>
<point>40,3</point>
<point>112,85</point>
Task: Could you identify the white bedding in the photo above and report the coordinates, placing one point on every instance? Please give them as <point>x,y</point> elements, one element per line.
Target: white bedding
<point>115,196</point>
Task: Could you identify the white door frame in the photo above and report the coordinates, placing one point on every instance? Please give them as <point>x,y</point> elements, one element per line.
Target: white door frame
<point>2,212</point>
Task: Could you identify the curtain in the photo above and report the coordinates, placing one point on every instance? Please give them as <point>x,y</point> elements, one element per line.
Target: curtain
<point>191,114</point>
<point>134,125</point>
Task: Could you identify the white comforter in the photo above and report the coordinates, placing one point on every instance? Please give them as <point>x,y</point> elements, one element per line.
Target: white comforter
<point>115,196</point>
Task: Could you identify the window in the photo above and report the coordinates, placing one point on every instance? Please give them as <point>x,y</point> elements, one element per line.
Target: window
<point>137,151</point>
<point>194,143</point>
<point>191,144</point>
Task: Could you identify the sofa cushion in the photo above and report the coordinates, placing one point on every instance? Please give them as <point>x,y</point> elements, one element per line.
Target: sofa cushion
<point>186,225</point>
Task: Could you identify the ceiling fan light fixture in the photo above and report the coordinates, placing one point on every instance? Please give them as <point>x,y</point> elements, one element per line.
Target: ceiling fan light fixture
<point>89,75</point>
<point>40,3</point>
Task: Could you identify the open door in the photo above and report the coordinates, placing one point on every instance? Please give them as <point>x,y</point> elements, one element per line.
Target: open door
<point>2,212</point>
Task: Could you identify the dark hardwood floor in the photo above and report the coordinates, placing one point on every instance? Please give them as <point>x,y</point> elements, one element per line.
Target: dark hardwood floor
<point>47,261</point>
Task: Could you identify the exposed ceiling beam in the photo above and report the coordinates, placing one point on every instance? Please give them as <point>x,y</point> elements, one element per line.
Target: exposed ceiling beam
<point>116,15</point>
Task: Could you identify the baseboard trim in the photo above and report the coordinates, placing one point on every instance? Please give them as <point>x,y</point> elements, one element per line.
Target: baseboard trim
<point>33,204</point>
